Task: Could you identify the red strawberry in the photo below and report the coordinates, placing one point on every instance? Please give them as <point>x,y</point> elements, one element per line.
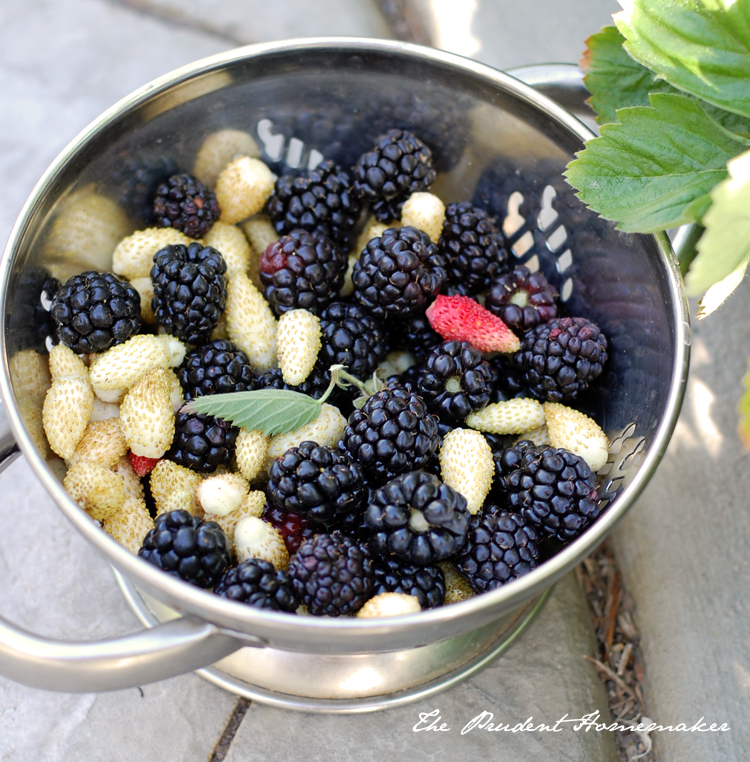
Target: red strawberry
<point>141,464</point>
<point>460,318</point>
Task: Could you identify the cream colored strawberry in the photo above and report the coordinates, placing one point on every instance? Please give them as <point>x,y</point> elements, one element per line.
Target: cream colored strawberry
<point>250,452</point>
<point>348,287</point>
<point>222,494</point>
<point>538,436</point>
<point>297,344</point>
<point>130,524</point>
<point>252,505</point>
<point>255,538</point>
<point>130,480</point>
<point>65,414</point>
<point>508,417</point>
<point>218,149</point>
<point>65,364</point>
<point>146,415</point>
<point>466,464</point>
<point>395,363</point>
<point>389,604</point>
<point>425,212</point>
<point>251,323</point>
<point>573,430</point>
<point>103,442</point>
<point>134,255</point>
<point>242,188</point>
<point>261,234</point>
<point>168,479</point>
<point>145,288</point>
<point>233,245</point>
<point>29,372</point>
<point>457,587</point>
<point>96,488</point>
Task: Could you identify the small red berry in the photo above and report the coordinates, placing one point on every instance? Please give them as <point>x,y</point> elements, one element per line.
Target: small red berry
<point>141,464</point>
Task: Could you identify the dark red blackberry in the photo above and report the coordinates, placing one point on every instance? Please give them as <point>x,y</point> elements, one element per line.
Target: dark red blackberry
<point>302,271</point>
<point>294,528</point>
<point>317,200</point>
<point>394,575</point>
<point>393,432</point>
<point>398,274</point>
<point>553,489</point>
<point>257,583</point>
<point>351,337</point>
<point>216,368</point>
<point>418,518</point>
<point>190,291</point>
<point>183,202</point>
<point>522,299</point>
<point>187,547</point>
<point>473,247</point>
<point>94,311</point>
<point>560,358</point>
<point>414,334</point>
<point>317,482</point>
<point>332,575</point>
<point>501,546</point>
<point>398,165</point>
<point>202,442</point>
<point>455,380</point>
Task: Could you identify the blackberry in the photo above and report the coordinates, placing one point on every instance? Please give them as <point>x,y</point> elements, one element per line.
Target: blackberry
<point>187,547</point>
<point>202,442</point>
<point>190,291</point>
<point>313,386</point>
<point>32,301</point>
<point>393,575</point>
<point>257,583</point>
<point>414,334</point>
<point>455,380</point>
<point>473,247</point>
<point>183,202</point>
<point>560,358</point>
<point>522,299</point>
<point>302,271</point>
<point>398,165</point>
<point>215,368</point>
<point>501,546</point>
<point>553,489</point>
<point>317,200</point>
<point>94,311</point>
<point>317,482</point>
<point>398,274</point>
<point>294,528</point>
<point>418,518</point>
<point>351,337</point>
<point>136,176</point>
<point>507,380</point>
<point>332,574</point>
<point>393,432</point>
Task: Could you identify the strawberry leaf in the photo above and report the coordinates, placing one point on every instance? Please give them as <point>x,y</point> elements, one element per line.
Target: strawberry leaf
<point>656,168</point>
<point>273,411</point>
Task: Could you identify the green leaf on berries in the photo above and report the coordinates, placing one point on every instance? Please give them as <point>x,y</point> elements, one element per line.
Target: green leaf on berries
<point>724,247</point>
<point>654,170</point>
<point>273,411</point>
<point>701,47</point>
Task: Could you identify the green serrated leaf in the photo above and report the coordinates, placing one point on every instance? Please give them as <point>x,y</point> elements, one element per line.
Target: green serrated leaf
<point>720,292</point>
<point>654,169</point>
<point>699,46</point>
<point>725,245</point>
<point>736,124</point>
<point>273,411</point>
<point>614,79</point>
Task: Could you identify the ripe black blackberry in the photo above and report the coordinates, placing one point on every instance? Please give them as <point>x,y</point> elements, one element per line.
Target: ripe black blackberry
<point>313,386</point>
<point>183,202</point>
<point>560,358</point>
<point>418,518</point>
<point>187,547</point>
<point>352,337</point>
<point>31,304</point>
<point>294,528</point>
<point>393,432</point>
<point>507,380</point>
<point>398,165</point>
<point>202,442</point>
<point>94,311</point>
<point>501,546</point>
<point>302,271</point>
<point>553,489</point>
<point>414,334</point>
<point>455,380</point>
<point>190,291</point>
<point>473,247</point>
<point>317,482</point>
<point>394,575</point>
<point>257,583</point>
<point>217,367</point>
<point>398,274</point>
<point>317,200</point>
<point>332,574</point>
<point>522,299</point>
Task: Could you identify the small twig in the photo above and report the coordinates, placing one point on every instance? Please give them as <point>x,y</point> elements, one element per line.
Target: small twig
<point>624,659</point>
<point>610,674</point>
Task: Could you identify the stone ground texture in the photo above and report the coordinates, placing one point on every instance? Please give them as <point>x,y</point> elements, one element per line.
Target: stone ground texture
<point>682,549</point>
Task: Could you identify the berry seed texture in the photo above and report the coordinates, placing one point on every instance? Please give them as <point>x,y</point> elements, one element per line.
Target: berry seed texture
<point>443,382</point>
